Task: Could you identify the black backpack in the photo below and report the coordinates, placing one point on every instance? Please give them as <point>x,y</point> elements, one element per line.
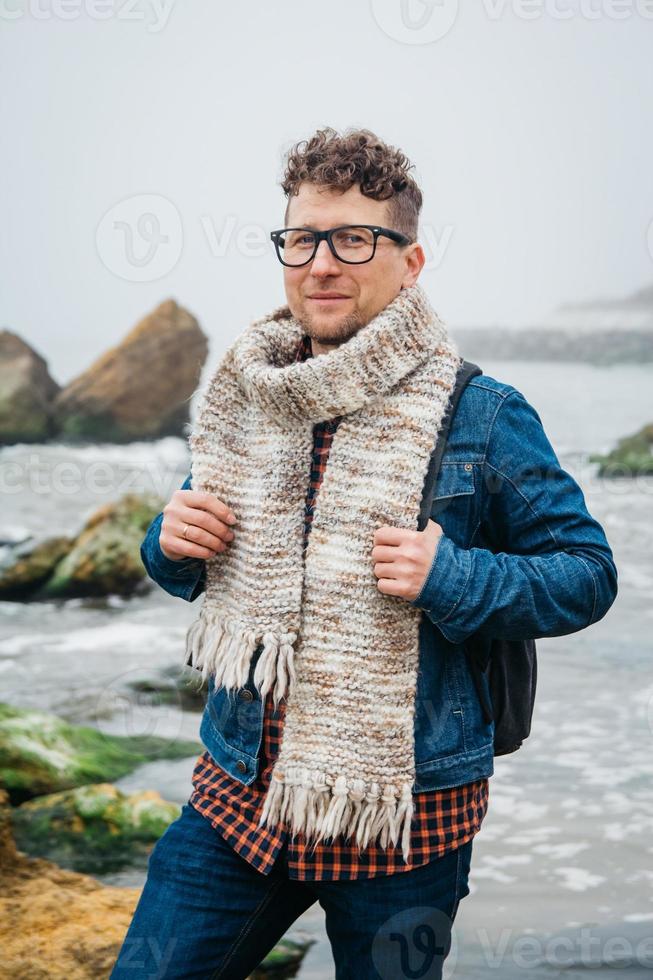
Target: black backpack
<point>509,666</point>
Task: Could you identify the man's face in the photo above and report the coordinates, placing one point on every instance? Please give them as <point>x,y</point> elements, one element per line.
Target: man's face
<point>332,299</point>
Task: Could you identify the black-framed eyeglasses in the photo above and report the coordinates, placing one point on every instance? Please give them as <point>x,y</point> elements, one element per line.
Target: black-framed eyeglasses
<point>353,244</point>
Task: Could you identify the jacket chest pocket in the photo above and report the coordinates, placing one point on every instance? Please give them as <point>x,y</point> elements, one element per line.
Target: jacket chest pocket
<point>455,500</point>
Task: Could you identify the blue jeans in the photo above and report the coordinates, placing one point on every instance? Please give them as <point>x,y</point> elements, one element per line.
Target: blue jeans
<point>205,912</point>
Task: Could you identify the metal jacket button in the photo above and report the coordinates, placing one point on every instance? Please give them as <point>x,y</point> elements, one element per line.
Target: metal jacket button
<point>241,766</point>
<point>246,695</point>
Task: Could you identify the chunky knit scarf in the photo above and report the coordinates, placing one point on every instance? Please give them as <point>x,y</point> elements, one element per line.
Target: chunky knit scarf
<point>343,654</point>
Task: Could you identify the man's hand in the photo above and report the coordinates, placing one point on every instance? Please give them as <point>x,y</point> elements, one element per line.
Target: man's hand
<point>203,517</point>
<point>403,558</point>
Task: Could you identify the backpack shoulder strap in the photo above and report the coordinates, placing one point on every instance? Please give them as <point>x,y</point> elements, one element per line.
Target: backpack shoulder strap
<point>466,372</point>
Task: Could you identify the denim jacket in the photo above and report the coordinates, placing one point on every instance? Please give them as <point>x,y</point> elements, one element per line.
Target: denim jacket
<point>519,557</point>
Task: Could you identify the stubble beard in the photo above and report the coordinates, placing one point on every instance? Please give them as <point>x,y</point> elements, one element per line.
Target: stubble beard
<point>340,333</point>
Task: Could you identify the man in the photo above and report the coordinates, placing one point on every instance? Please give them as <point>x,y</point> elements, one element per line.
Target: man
<point>347,755</point>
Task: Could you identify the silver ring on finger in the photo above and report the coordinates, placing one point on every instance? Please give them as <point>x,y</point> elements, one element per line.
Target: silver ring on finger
<point>186,526</point>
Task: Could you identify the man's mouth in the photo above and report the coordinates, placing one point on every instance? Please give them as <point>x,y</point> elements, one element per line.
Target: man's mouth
<point>328,297</point>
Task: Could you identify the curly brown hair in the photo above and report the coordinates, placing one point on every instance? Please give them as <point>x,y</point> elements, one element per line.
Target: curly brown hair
<point>357,156</point>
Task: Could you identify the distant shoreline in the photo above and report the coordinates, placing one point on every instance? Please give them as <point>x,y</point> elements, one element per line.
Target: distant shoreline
<point>618,346</point>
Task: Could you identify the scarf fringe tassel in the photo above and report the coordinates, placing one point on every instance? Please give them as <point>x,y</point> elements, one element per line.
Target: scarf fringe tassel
<point>225,650</point>
<point>313,808</point>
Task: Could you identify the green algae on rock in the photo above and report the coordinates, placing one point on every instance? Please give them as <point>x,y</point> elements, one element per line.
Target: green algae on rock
<point>40,753</point>
<point>64,925</point>
<point>105,558</point>
<point>632,456</point>
<point>93,829</point>
<point>180,686</point>
<point>283,961</point>
<point>54,923</point>
<point>28,565</point>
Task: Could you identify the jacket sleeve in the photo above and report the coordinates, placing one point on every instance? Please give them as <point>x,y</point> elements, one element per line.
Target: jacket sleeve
<point>185,578</point>
<point>554,573</point>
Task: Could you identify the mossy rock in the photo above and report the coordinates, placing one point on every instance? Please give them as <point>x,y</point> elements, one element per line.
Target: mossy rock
<point>105,558</point>
<point>93,829</point>
<point>26,392</point>
<point>40,753</point>
<point>56,924</point>
<point>27,565</point>
<point>283,961</point>
<point>633,455</point>
<point>182,688</point>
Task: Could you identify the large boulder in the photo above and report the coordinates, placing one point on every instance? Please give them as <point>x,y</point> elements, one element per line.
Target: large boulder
<point>40,753</point>
<point>68,926</point>
<point>28,565</point>
<point>96,829</point>
<point>105,558</point>
<point>140,389</point>
<point>26,392</point>
<point>54,923</point>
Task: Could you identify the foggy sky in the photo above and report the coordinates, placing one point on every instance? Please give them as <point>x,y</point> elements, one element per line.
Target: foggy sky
<point>531,139</point>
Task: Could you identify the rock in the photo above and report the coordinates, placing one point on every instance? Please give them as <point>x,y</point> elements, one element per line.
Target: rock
<point>105,558</point>
<point>96,829</point>
<point>26,392</point>
<point>633,455</point>
<point>140,389</point>
<point>283,961</point>
<point>62,925</point>
<point>27,565</point>
<point>40,753</point>
<point>174,686</point>
<point>56,924</point>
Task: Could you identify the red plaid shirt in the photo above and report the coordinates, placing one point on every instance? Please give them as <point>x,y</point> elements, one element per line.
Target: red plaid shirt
<point>442,819</point>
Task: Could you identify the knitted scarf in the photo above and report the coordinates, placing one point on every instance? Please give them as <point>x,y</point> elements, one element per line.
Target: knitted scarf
<point>342,654</point>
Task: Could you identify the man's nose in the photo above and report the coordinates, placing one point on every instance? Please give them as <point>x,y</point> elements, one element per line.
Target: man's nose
<point>324,262</point>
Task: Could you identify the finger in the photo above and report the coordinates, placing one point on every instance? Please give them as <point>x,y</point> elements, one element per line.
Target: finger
<point>388,535</point>
<point>204,520</point>
<point>208,502</point>
<point>184,549</point>
<point>384,552</point>
<point>185,532</point>
<point>384,569</point>
<point>389,586</point>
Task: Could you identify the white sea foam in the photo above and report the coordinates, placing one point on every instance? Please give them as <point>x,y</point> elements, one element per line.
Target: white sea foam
<point>578,879</point>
